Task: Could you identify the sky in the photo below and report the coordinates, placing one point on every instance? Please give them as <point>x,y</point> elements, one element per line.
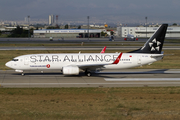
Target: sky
<point>115,11</point>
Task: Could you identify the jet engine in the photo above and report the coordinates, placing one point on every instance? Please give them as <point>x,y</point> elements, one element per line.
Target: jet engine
<point>70,70</point>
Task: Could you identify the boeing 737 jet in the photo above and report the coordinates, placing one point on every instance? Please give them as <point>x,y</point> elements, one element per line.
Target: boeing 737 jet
<point>73,64</point>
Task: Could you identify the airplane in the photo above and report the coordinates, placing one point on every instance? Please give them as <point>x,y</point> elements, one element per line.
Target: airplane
<point>74,63</point>
<point>130,37</point>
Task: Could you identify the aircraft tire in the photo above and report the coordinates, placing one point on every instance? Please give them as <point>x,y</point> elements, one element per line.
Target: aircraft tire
<point>88,74</point>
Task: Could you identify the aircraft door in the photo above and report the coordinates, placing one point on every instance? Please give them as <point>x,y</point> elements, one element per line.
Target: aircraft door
<point>26,61</point>
<point>139,59</point>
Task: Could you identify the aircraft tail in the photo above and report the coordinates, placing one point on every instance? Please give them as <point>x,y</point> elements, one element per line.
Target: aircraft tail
<point>155,43</point>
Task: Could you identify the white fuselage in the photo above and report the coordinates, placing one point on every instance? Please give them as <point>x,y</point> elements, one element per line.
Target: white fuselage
<point>58,61</point>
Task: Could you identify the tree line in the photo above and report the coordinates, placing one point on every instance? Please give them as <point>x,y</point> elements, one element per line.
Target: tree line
<point>20,32</point>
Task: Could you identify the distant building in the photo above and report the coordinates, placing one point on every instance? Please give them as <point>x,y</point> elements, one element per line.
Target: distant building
<point>93,26</point>
<point>51,20</point>
<point>2,29</point>
<point>142,32</point>
<point>67,33</point>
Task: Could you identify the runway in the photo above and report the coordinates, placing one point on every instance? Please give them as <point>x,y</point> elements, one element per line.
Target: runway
<point>120,78</point>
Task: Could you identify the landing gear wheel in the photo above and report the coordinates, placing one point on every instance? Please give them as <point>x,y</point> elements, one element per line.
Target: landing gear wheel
<point>88,73</point>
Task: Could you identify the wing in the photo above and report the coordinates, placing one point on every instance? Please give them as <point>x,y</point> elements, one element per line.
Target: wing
<point>95,66</point>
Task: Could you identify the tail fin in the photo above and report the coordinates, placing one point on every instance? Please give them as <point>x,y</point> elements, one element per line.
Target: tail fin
<point>155,43</point>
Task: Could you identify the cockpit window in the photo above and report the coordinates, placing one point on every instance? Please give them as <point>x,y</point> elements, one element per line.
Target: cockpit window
<point>14,59</point>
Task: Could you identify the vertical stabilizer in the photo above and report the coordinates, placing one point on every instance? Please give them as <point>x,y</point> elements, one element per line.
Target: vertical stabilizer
<point>155,43</point>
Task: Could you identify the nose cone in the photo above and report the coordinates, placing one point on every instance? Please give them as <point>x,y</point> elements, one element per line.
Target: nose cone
<point>8,64</point>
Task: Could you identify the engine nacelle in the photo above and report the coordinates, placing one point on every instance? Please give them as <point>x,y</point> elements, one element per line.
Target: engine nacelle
<point>70,70</point>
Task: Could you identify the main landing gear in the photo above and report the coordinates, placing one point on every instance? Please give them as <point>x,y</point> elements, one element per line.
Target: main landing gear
<point>88,73</point>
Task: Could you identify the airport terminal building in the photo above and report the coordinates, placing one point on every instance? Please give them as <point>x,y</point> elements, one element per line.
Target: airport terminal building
<point>142,32</point>
<point>67,33</point>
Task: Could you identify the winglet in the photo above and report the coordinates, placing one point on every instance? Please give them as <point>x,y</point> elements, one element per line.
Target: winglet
<point>103,50</point>
<point>117,59</point>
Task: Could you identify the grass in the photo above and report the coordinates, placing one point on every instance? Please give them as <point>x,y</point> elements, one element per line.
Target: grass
<point>90,103</point>
<point>3,36</point>
<point>169,62</point>
<point>172,40</point>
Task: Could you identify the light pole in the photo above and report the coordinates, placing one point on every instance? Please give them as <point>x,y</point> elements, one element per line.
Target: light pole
<point>28,27</point>
<point>146,26</point>
<point>88,26</point>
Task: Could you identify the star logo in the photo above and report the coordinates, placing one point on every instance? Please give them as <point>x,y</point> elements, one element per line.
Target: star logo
<point>154,41</point>
<point>152,49</point>
<point>154,45</point>
<point>157,48</point>
<point>158,43</point>
<point>150,44</point>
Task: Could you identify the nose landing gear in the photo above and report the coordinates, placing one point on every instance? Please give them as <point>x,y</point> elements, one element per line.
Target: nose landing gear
<point>22,74</point>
